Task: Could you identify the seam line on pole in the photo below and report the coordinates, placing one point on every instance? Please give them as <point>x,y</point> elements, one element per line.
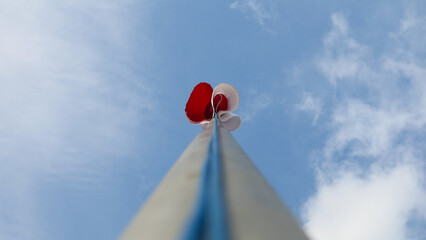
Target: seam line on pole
<point>208,221</point>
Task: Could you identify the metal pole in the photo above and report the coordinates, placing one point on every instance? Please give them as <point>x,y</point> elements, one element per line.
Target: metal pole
<point>209,220</point>
<point>254,210</point>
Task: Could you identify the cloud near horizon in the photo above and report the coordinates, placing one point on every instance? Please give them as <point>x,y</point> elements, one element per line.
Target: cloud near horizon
<point>70,96</point>
<point>370,174</point>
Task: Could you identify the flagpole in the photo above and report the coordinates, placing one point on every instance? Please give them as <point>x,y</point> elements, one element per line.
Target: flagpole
<point>209,220</point>
<point>252,208</point>
<point>255,209</point>
<point>166,212</point>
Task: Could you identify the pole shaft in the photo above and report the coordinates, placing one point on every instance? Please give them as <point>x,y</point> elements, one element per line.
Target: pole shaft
<point>254,210</point>
<point>209,220</point>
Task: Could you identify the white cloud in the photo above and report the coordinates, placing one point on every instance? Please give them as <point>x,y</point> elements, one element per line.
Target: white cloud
<point>375,205</point>
<point>412,29</point>
<point>256,103</point>
<point>371,173</point>
<point>370,130</point>
<point>343,57</point>
<point>312,105</point>
<point>70,96</point>
<point>257,10</point>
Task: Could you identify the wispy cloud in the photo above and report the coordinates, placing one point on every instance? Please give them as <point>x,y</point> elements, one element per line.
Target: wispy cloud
<point>343,57</point>
<point>371,171</point>
<point>257,102</point>
<point>261,13</point>
<point>311,105</point>
<point>71,95</point>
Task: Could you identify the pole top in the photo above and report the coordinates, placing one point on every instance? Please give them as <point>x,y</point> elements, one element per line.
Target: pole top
<point>204,102</point>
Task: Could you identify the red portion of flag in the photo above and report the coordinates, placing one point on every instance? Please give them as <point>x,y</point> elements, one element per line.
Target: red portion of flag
<point>199,107</point>
<point>220,103</point>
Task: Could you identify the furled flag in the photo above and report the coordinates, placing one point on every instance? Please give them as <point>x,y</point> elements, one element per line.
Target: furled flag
<point>205,101</point>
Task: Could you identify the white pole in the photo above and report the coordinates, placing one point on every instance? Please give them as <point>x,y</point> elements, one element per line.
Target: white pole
<point>254,210</point>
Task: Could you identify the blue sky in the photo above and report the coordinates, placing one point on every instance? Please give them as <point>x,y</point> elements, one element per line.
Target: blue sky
<point>332,97</point>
